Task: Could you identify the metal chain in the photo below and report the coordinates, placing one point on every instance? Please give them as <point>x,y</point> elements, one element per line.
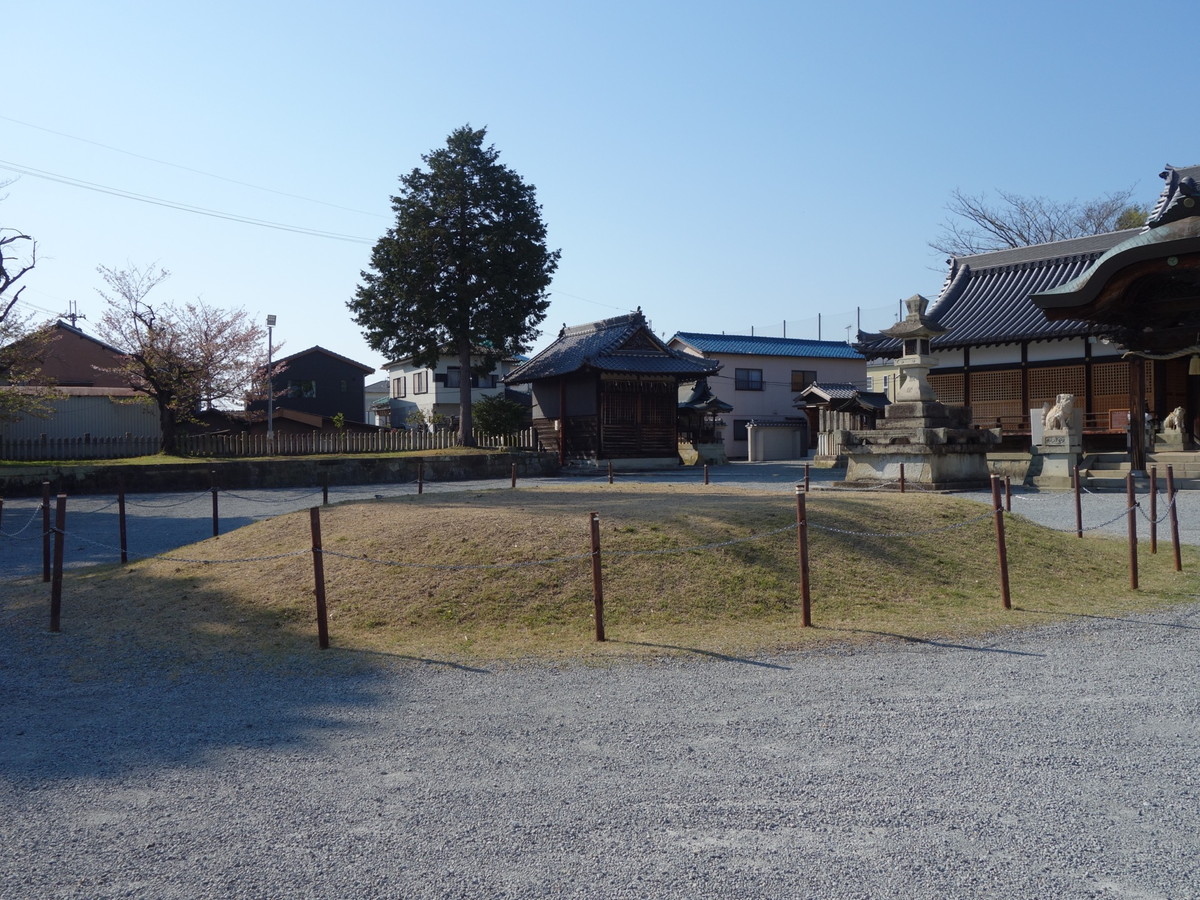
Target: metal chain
<point>32,518</point>
<point>893,534</point>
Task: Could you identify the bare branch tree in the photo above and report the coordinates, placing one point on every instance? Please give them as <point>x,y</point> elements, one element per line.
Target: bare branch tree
<point>186,358</point>
<point>23,343</point>
<point>978,225</point>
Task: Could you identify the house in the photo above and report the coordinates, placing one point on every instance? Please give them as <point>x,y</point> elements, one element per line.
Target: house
<point>89,397</point>
<point>762,376</point>
<point>431,395</point>
<point>375,396</point>
<point>609,390</point>
<point>318,382</point>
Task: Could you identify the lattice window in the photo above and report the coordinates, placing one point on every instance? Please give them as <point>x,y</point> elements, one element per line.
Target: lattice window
<point>1047,382</point>
<point>1111,378</point>
<point>996,395</point>
<point>949,388</point>
<point>620,408</point>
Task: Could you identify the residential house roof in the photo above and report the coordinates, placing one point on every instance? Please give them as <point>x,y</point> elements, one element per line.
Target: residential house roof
<point>319,349</point>
<point>985,298</point>
<point>623,344</point>
<point>751,345</point>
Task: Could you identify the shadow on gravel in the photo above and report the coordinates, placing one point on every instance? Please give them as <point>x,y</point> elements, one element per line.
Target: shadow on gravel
<point>1060,614</point>
<point>94,538</point>
<point>929,642</point>
<point>381,656</point>
<point>712,653</point>
<point>159,670</point>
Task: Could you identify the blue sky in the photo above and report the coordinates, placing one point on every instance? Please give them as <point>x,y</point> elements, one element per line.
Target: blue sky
<point>725,168</point>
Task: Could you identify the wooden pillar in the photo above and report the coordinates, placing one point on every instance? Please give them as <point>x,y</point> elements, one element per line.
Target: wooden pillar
<point>1137,414</point>
<point>562,421</point>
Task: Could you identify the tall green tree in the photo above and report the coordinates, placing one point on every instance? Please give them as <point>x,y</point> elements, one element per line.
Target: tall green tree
<point>464,271</point>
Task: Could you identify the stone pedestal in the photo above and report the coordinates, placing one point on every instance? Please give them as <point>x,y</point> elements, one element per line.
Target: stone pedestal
<point>1058,440</point>
<point>935,443</point>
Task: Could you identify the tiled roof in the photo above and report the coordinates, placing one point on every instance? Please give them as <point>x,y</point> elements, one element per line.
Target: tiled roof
<point>831,390</point>
<point>985,298</point>
<point>1180,185</point>
<point>750,345</point>
<point>621,344</point>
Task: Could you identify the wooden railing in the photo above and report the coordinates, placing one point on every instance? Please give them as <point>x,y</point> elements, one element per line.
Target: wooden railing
<point>255,445</point>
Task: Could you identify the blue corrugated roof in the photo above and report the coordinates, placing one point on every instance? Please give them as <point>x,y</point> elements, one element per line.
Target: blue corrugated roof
<point>750,345</point>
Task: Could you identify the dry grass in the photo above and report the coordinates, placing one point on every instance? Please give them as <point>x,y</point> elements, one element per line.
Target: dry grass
<point>384,594</point>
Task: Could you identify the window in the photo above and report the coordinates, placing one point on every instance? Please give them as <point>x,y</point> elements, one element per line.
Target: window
<point>802,378</point>
<point>747,380</point>
<point>399,386</point>
<point>454,378</point>
<point>739,429</point>
<point>306,389</point>
<point>420,382</point>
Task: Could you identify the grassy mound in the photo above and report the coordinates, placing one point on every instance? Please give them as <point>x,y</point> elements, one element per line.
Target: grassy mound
<point>496,574</point>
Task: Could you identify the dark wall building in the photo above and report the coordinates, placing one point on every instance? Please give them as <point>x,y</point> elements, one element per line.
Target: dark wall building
<point>319,382</point>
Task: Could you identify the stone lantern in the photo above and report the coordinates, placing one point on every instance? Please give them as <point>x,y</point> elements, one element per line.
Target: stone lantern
<point>935,443</point>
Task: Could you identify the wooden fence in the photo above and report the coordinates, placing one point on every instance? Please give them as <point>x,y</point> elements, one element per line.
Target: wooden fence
<point>255,445</point>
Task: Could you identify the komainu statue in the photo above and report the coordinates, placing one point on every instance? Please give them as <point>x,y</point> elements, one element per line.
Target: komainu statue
<point>1059,416</point>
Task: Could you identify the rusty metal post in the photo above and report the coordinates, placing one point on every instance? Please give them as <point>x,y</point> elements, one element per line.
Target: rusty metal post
<point>420,476</point>
<point>902,478</point>
<point>610,472</point>
<point>1078,506</point>
<point>60,529</point>
<point>314,519</point>
<point>806,477</point>
<point>706,473</point>
<point>597,578</point>
<point>802,548</point>
<point>1131,519</point>
<point>1001,546</point>
<point>121,532</point>
<point>1174,517</point>
<point>325,490</point>
<point>1153,510</point>
<point>45,531</point>
<point>514,475</point>
<point>1007,493</point>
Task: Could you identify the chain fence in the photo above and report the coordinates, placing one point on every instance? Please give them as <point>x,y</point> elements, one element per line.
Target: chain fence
<point>27,531</point>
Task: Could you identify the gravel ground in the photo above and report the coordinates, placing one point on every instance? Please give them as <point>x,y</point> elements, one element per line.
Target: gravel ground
<point>1059,761</point>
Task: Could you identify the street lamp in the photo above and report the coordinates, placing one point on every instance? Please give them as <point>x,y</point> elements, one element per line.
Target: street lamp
<point>270,386</point>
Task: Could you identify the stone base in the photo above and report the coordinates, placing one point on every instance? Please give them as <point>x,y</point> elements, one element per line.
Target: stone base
<point>1057,471</point>
<point>1169,442</point>
<point>946,471</point>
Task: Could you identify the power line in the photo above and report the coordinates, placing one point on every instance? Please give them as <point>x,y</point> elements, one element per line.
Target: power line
<point>183,207</point>
<point>163,162</point>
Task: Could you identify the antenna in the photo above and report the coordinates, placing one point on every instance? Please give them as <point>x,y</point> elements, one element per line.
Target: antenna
<point>73,313</point>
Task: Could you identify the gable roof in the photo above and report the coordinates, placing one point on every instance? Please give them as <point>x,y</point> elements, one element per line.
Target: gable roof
<point>985,298</point>
<point>620,344</point>
<point>749,345</point>
<point>319,349</point>
<point>843,395</point>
